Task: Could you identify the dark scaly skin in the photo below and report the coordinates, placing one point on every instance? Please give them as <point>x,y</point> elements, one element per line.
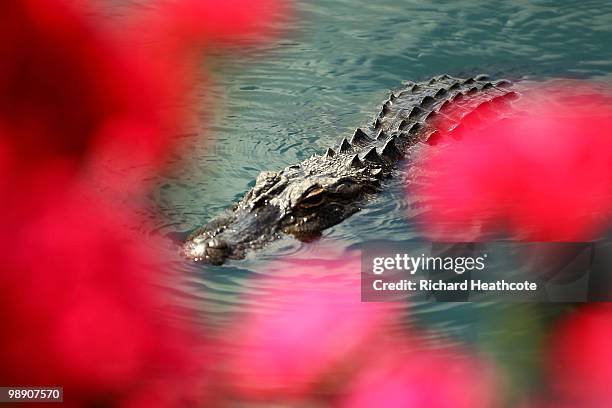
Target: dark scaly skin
<point>304,199</point>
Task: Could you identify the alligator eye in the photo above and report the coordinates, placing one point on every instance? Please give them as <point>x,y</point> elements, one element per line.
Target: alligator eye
<point>314,198</point>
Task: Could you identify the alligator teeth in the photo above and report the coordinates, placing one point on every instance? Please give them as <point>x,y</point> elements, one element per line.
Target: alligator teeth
<point>360,138</point>
<point>468,81</point>
<point>390,151</point>
<point>372,156</point>
<point>345,146</point>
<point>329,153</point>
<point>488,85</point>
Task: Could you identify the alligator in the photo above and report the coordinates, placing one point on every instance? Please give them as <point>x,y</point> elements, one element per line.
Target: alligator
<point>304,199</point>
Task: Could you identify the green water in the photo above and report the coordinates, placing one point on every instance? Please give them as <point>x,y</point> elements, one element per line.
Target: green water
<point>293,98</point>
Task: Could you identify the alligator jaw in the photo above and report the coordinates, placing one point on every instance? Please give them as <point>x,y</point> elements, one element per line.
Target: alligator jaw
<point>214,251</point>
<point>230,235</point>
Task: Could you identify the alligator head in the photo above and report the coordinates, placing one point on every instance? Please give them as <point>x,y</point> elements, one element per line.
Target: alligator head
<point>300,200</point>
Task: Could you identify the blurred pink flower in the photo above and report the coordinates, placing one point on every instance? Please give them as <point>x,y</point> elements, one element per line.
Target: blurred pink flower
<point>79,304</point>
<point>543,174</point>
<point>71,91</point>
<point>80,299</point>
<point>310,336</point>
<point>309,328</point>
<point>207,23</point>
<point>173,39</point>
<point>409,375</point>
<point>66,90</point>
<point>579,358</point>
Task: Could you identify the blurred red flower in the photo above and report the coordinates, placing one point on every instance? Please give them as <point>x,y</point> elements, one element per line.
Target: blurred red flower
<point>72,91</point>
<point>211,24</point>
<point>542,175</point>
<point>84,110</point>
<point>66,90</point>
<point>579,358</point>
<point>311,337</point>
<point>309,328</point>
<point>407,375</point>
<point>79,304</point>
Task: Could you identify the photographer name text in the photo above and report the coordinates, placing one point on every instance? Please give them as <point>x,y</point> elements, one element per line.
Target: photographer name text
<point>457,265</point>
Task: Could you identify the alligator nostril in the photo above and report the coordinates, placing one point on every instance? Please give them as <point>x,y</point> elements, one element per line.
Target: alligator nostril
<point>216,251</point>
<point>216,243</point>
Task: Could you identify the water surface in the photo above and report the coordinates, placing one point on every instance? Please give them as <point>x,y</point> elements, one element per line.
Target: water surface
<point>301,94</point>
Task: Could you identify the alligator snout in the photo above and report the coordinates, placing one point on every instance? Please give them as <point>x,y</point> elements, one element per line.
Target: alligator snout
<point>214,251</point>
